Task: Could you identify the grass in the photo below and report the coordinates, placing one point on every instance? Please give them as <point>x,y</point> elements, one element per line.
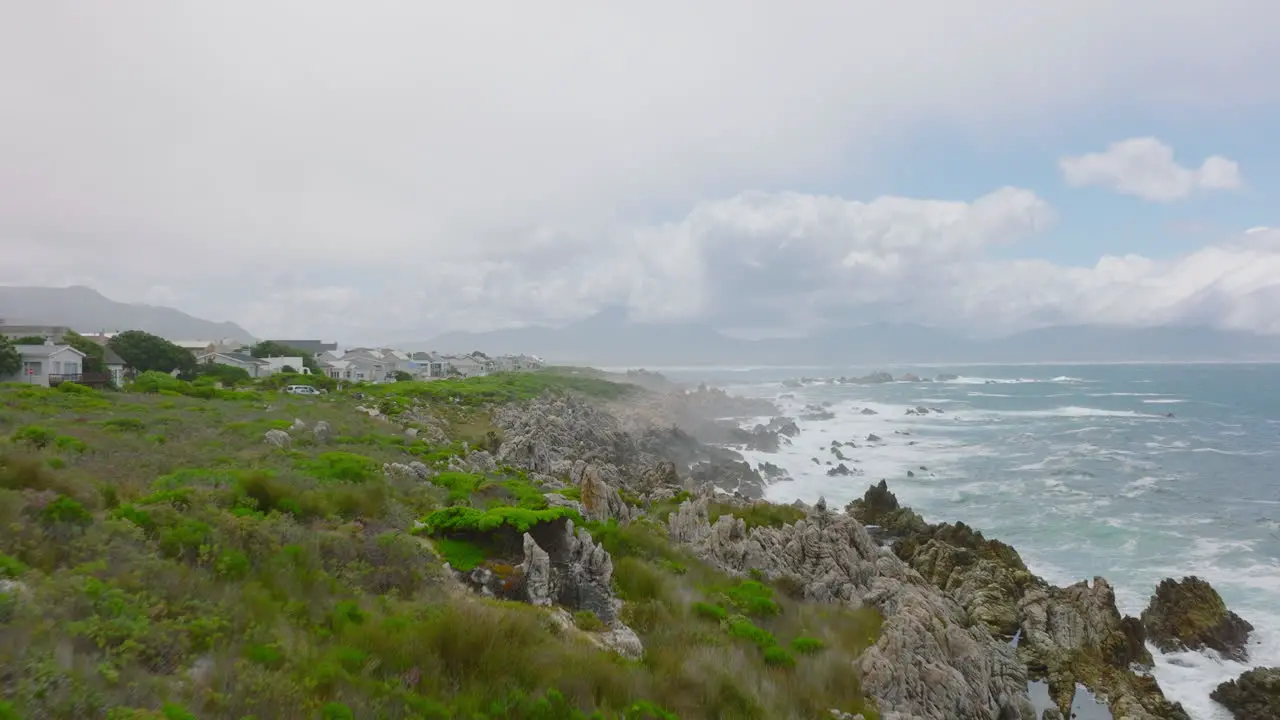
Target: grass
<point>761,514</point>
<point>502,388</point>
<point>213,576</point>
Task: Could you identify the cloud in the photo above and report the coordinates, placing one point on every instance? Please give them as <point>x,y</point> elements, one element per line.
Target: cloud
<point>409,168</point>
<point>1145,167</point>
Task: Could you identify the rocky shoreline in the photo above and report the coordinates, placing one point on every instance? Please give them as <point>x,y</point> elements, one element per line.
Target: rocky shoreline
<point>967,628</point>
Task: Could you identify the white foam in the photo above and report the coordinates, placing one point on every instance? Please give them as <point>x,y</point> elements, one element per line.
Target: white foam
<point>1164,401</point>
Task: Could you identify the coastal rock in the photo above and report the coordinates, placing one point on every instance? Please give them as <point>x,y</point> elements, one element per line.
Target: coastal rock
<point>537,573</point>
<point>730,476</point>
<point>927,662</point>
<point>784,426</point>
<point>867,411</point>
<point>278,438</point>
<point>1191,615</point>
<point>601,502</point>
<point>1255,695</point>
<point>322,432</point>
<point>772,472</point>
<point>1069,635</point>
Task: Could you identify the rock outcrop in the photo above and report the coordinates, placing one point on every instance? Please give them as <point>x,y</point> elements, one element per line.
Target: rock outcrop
<point>929,662</point>
<point>1069,635</point>
<point>1255,695</point>
<point>278,438</point>
<point>1191,615</point>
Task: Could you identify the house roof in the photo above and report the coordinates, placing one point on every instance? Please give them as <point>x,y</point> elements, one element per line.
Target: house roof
<point>109,357</point>
<point>44,350</point>
<point>314,347</point>
<point>244,358</point>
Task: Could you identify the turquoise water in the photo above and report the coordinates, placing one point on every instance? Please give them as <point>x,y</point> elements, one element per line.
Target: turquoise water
<point>1079,468</point>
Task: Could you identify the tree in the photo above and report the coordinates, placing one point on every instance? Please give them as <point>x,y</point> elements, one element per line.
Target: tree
<point>228,375</point>
<point>402,376</point>
<point>29,340</point>
<point>143,351</point>
<point>10,360</point>
<point>270,348</point>
<point>94,353</point>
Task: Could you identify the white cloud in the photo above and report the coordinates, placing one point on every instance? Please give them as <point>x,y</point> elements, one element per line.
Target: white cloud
<point>1145,167</point>
<point>307,168</point>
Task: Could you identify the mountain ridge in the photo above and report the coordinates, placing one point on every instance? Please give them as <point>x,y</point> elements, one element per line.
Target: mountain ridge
<point>86,310</point>
<point>591,342</point>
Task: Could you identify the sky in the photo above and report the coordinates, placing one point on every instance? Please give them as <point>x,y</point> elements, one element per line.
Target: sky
<point>387,169</point>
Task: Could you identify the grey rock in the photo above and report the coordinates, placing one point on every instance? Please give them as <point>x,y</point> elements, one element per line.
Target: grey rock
<point>297,425</point>
<point>322,432</point>
<point>537,573</point>
<point>278,438</point>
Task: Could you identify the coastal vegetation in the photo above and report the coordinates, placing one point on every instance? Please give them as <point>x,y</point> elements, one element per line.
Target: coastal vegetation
<point>160,560</point>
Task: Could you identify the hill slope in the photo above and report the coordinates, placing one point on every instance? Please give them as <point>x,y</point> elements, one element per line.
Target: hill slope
<point>86,310</point>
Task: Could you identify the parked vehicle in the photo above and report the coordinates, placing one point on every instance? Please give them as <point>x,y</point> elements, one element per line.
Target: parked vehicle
<point>301,390</point>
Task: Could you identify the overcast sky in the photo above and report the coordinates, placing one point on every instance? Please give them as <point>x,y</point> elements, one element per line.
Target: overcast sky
<point>376,170</point>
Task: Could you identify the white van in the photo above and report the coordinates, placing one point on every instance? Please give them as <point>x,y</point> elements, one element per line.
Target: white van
<point>301,390</point>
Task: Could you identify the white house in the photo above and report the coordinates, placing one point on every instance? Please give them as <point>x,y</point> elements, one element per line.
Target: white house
<point>113,365</point>
<point>469,365</point>
<point>275,365</point>
<point>40,363</point>
<point>252,365</point>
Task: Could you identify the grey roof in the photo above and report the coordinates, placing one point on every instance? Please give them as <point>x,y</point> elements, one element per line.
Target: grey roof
<point>44,350</point>
<point>109,357</point>
<point>315,347</point>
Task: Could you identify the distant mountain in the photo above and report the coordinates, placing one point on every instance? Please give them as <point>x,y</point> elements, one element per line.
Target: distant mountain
<point>86,310</point>
<point>609,339</point>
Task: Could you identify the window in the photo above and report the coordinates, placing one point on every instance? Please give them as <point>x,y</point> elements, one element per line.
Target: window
<point>32,367</point>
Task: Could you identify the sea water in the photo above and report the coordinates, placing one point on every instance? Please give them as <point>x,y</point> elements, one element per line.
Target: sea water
<point>1080,468</point>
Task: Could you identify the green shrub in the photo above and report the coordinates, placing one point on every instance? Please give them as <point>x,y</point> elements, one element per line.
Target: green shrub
<point>753,598</point>
<point>124,424</point>
<point>64,510</point>
<point>807,645</point>
<point>66,443</point>
<point>638,580</point>
<point>34,436</point>
<point>341,467</point>
<point>73,388</point>
<point>760,514</point>
<point>11,567</point>
<point>709,611</point>
<point>588,621</point>
<point>460,520</point>
<point>462,555</point>
<point>743,628</point>
<point>777,657</point>
<point>336,711</point>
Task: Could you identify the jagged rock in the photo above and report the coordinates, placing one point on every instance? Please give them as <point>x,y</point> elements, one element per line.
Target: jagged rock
<point>537,573</point>
<point>1255,695</point>
<point>1191,615</point>
<point>1069,635</point>
<point>784,426</point>
<point>868,411</point>
<point>731,476</point>
<point>841,470</point>
<point>926,664</point>
<point>297,425</point>
<point>555,500</point>
<point>1051,714</point>
<point>600,501</point>
<point>479,461</point>
<point>278,438</point>
<point>411,433</point>
<point>322,432</point>
<point>412,471</point>
<point>772,472</point>
<point>873,438</point>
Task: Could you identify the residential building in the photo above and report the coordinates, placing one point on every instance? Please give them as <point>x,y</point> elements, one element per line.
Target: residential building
<point>52,332</point>
<point>48,364</point>
<point>314,347</point>
<point>278,364</point>
<point>114,365</point>
<point>432,365</point>
<point>252,365</point>
<point>470,365</point>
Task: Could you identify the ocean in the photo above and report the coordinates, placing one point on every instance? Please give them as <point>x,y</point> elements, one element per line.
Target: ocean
<point>1078,467</point>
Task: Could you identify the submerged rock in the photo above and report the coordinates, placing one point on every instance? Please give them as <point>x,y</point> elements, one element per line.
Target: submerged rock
<point>1255,695</point>
<point>1191,615</point>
